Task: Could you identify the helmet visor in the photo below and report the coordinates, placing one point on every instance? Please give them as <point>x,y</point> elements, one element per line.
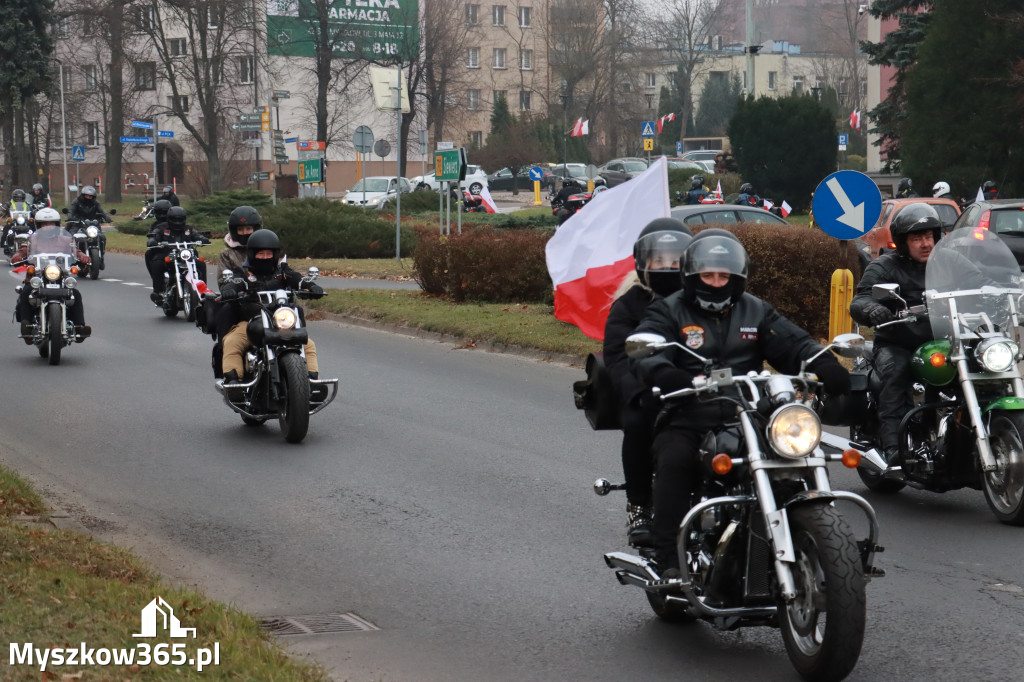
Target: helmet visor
<point>715,254</point>
<point>661,251</point>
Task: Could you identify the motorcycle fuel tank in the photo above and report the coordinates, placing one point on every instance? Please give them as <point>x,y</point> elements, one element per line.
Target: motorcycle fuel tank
<point>930,363</point>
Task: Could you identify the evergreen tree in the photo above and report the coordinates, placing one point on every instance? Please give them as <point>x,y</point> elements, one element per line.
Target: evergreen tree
<point>501,119</point>
<point>717,103</point>
<point>784,146</point>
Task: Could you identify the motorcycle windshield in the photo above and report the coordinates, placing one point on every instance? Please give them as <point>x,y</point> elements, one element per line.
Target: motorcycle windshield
<point>972,271</point>
<point>51,239</point>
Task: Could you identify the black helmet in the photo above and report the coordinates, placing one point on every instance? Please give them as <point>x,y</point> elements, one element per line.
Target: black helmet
<point>988,186</point>
<point>660,245</point>
<point>570,182</point>
<point>716,250</point>
<point>176,217</point>
<point>914,218</point>
<point>160,209</point>
<point>168,189</point>
<point>906,184</point>
<point>258,241</point>
<point>243,215</point>
<point>746,188</point>
<point>18,195</point>
<point>600,182</point>
<point>696,182</point>
<point>38,187</point>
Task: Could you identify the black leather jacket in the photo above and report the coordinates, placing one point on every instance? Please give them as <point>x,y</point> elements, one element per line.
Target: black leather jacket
<point>246,282</point>
<point>81,210</point>
<point>626,313</point>
<point>892,268</point>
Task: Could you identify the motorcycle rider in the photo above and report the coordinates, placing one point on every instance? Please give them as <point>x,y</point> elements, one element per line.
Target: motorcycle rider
<point>169,195</point>
<point>698,192</point>
<point>174,229</point>
<point>914,231</point>
<point>713,316</point>
<point>656,254</point>
<point>747,196</point>
<point>25,311</point>
<point>262,270</point>
<point>990,191</point>
<point>940,190</point>
<point>40,198</point>
<point>242,222</point>
<point>86,207</point>
<point>160,209</point>
<point>905,190</point>
<point>18,203</point>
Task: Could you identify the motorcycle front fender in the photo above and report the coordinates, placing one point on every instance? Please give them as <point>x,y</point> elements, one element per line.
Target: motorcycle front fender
<point>1005,403</point>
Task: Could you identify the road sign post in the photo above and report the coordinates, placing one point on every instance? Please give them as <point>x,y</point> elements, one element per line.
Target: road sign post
<point>536,174</point>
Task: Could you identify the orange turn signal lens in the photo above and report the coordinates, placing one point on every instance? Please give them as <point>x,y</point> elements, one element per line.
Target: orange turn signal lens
<point>167,259</point>
<point>851,458</point>
<point>721,464</point>
<point>31,269</point>
<point>201,259</point>
<point>74,269</point>
<point>937,359</point>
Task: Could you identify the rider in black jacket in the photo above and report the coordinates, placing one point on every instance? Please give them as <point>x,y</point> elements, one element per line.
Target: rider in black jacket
<point>656,253</point>
<point>174,229</point>
<point>697,190</point>
<point>87,207</point>
<point>715,318</point>
<point>914,231</point>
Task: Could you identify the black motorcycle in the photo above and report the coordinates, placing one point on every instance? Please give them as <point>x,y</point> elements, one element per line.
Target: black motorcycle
<point>181,281</point>
<point>147,210</point>
<point>89,239</point>
<point>18,228</point>
<point>276,381</point>
<point>573,204</point>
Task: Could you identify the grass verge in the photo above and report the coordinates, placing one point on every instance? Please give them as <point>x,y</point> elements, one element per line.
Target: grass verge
<point>63,589</point>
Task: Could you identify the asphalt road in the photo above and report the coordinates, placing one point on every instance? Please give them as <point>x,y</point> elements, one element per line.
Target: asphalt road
<point>445,497</point>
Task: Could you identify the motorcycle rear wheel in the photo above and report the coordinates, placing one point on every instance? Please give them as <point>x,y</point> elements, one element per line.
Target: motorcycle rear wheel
<point>1004,489</point>
<point>55,333</point>
<point>294,410</point>
<point>823,628</point>
<point>94,268</point>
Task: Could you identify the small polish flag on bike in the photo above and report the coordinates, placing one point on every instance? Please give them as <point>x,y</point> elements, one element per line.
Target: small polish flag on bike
<point>489,205</point>
<point>785,208</point>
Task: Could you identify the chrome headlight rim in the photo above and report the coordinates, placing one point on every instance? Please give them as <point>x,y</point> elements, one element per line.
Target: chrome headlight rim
<point>997,354</point>
<point>794,431</point>
<point>92,232</point>
<point>285,318</point>
<point>70,282</point>
<point>35,282</point>
<point>52,273</point>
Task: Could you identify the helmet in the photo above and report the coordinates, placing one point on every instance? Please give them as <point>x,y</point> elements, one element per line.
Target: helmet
<point>600,182</point>
<point>914,218</point>
<point>168,189</point>
<point>241,216</point>
<point>570,183</point>
<point>47,215</point>
<point>88,193</point>
<point>38,187</point>
<point>258,241</point>
<point>988,186</point>
<point>906,184</point>
<point>716,250</point>
<point>176,217</point>
<point>160,209</point>
<point>940,189</point>
<point>657,253</point>
<point>18,195</point>
<point>696,182</point>
<point>746,188</point>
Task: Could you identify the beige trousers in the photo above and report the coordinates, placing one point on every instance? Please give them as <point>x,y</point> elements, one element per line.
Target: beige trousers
<point>236,342</point>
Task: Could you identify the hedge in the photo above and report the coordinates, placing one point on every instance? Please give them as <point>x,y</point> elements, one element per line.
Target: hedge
<point>321,228</point>
<point>211,212</point>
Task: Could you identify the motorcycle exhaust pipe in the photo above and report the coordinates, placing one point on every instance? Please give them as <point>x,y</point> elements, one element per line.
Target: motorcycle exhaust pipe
<point>629,567</point>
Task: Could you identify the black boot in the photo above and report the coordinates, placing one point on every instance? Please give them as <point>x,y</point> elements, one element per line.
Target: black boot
<point>82,332</point>
<point>639,530</point>
<point>314,375</point>
<point>231,377</point>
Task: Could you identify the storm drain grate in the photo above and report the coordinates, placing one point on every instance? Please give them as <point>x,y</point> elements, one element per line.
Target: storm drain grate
<point>315,625</point>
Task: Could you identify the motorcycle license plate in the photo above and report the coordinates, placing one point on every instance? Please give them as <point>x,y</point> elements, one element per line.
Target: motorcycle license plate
<point>52,285</point>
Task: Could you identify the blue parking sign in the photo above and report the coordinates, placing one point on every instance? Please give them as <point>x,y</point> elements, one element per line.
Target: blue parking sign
<point>679,147</point>
<point>843,139</point>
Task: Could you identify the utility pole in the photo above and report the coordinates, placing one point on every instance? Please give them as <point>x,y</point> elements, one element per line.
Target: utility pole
<point>751,50</point>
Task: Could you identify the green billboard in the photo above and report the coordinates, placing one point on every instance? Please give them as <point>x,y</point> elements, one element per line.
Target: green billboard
<point>380,30</point>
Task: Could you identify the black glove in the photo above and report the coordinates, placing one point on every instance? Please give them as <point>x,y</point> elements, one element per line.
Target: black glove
<point>833,375</point>
<point>878,314</point>
<point>150,243</point>
<point>672,379</point>
<point>312,290</point>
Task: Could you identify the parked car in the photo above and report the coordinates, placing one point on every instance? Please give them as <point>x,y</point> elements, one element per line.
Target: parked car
<point>676,163</point>
<point>879,240</point>
<point>576,171</point>
<point>1005,217</point>
<point>378,189</point>
<point>706,214</point>
<point>618,171</point>
<point>503,180</point>
<point>476,180</point>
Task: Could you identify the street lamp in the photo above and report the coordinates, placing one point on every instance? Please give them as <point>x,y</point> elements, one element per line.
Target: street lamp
<point>566,96</point>
<point>64,133</point>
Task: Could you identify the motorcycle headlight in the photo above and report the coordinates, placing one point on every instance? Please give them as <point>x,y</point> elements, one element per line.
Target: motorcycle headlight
<point>794,431</point>
<point>185,254</point>
<point>997,355</point>
<point>70,282</point>
<point>92,232</point>
<point>21,220</point>
<point>52,273</point>
<point>285,318</point>
<point>35,282</point>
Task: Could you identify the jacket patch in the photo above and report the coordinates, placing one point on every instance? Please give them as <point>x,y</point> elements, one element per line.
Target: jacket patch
<point>694,336</point>
<point>748,333</point>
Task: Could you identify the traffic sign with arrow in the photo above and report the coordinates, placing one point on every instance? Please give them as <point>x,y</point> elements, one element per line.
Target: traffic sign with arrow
<point>847,204</point>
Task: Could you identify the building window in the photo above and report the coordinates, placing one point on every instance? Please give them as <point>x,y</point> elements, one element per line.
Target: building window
<point>178,102</point>
<point>472,14</point>
<point>744,81</point>
<point>57,136</point>
<point>798,85</point>
<point>473,99</point>
<point>211,19</point>
<point>63,27</point>
<point>526,60</point>
<point>771,79</point>
<point>525,100</point>
<point>91,82</point>
<point>715,42</point>
<point>476,139</point>
<point>92,133</point>
<point>524,17</point>
<point>652,80</point>
<point>246,69</point>
<point>498,15</point>
<point>501,94</point>
<point>863,87</point>
<point>144,18</point>
<point>177,46</point>
<point>499,58</point>
<point>145,76</point>
<point>473,58</point>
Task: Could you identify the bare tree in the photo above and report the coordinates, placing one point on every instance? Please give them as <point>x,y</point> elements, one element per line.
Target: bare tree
<point>445,33</point>
<point>842,27</point>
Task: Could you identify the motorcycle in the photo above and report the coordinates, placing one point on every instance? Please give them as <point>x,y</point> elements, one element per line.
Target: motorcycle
<point>966,429</point>
<point>19,227</point>
<point>471,203</point>
<point>765,543</point>
<point>276,381</point>
<point>181,284</point>
<point>147,210</point>
<point>52,267</point>
<point>563,210</point>
<point>87,237</point>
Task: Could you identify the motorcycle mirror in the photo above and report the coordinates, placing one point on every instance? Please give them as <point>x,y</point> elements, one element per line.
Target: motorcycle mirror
<point>885,292</point>
<point>65,211</point>
<point>644,344</point>
<point>113,211</point>
<point>313,272</point>
<point>226,275</point>
<point>849,345</point>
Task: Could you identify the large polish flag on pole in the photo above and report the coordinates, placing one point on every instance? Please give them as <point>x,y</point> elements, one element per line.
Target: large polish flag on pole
<point>592,252</point>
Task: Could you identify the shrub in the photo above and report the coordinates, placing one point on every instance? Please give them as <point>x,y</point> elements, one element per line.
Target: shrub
<point>321,228</point>
<point>134,226</point>
<point>857,162</point>
<point>211,212</point>
<point>484,264</point>
<point>414,202</point>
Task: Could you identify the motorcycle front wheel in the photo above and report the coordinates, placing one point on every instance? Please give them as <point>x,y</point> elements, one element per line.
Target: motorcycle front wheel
<point>94,266</point>
<point>294,410</point>
<point>823,627</point>
<point>189,304</point>
<point>170,301</point>
<point>55,333</point>
<point>1004,488</point>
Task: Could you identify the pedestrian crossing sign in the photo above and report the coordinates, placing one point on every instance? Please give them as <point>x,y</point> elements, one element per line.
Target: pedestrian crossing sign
<point>648,129</point>
<point>78,152</point>
<point>648,144</point>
